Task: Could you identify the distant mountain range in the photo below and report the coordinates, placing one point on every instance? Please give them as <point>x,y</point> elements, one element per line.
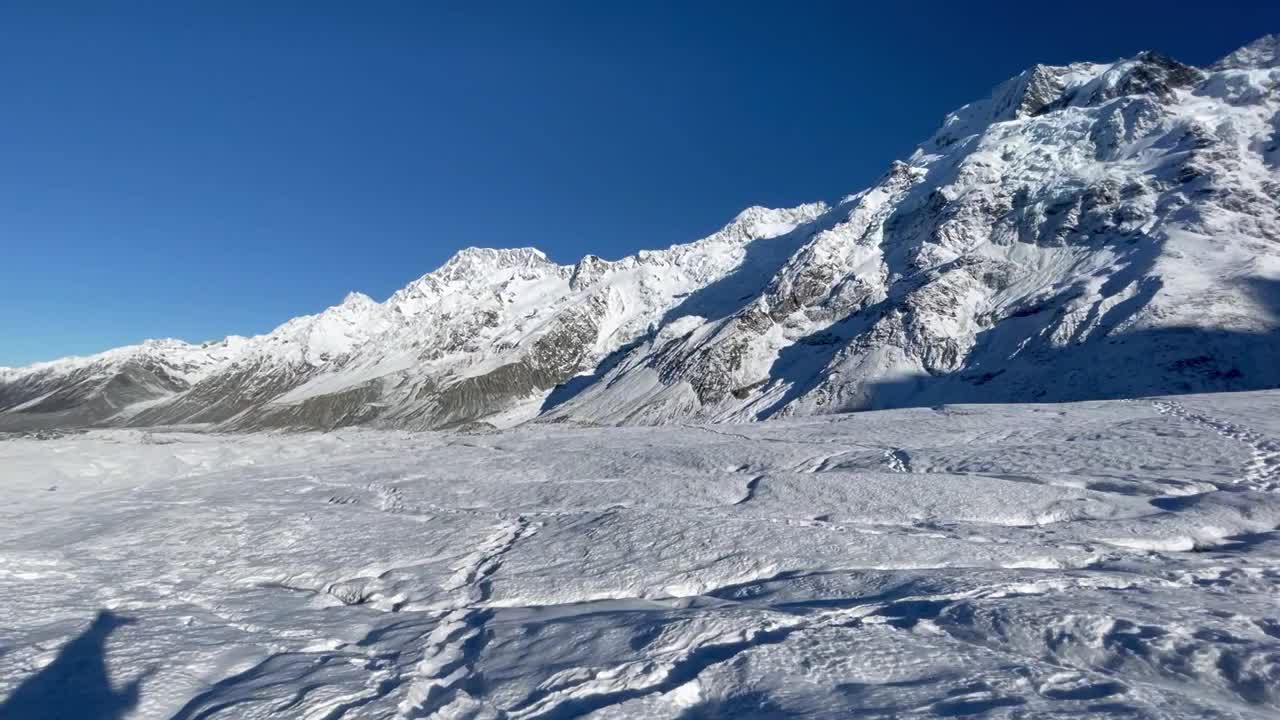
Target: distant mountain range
<point>1096,230</point>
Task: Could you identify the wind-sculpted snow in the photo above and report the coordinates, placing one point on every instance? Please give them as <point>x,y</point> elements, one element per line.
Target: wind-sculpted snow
<point>1100,559</point>
<point>1087,231</point>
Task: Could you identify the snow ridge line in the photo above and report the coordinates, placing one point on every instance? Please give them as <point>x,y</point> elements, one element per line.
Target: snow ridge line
<point>1263,468</point>
<point>452,645</point>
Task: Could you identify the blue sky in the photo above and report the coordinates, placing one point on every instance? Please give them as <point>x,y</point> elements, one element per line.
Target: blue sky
<point>190,169</point>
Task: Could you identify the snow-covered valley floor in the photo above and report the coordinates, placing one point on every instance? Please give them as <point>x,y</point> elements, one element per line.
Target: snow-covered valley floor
<point>1095,559</point>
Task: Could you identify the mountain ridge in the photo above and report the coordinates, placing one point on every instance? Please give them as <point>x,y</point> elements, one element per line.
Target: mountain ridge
<point>1090,230</point>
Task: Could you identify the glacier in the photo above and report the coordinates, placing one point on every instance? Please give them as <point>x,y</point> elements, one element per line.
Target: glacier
<point>1094,559</point>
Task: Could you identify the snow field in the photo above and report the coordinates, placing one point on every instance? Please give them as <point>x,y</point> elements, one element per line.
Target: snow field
<point>1085,560</point>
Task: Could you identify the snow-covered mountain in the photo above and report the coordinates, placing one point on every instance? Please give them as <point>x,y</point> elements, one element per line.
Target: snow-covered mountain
<point>485,336</point>
<point>79,391</point>
<point>1087,231</point>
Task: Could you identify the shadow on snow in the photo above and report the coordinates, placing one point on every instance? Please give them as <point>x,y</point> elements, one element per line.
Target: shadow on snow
<point>77,685</point>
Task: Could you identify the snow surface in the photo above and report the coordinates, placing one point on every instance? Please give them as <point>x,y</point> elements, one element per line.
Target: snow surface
<point>1095,559</point>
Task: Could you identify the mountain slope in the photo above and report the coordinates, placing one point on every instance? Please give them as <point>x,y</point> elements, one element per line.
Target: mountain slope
<point>489,333</point>
<point>1087,231</point>
<point>79,391</point>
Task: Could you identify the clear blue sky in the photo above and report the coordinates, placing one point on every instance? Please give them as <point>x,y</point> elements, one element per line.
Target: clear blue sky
<point>194,169</point>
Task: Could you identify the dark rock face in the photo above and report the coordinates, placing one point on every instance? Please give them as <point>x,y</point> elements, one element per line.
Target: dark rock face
<point>83,397</point>
<point>221,398</point>
<point>1151,74</point>
<point>1034,92</point>
<point>356,406</point>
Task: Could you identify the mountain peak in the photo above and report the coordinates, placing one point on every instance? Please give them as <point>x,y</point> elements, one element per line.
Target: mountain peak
<point>758,221</point>
<point>1260,54</point>
<point>589,269</point>
<point>759,214</point>
<point>358,299</point>
<point>496,257</point>
<point>468,267</point>
<point>1029,92</point>
<point>1035,91</point>
<point>472,263</point>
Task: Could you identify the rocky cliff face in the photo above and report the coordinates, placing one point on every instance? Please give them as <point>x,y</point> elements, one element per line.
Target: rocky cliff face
<point>1087,231</point>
